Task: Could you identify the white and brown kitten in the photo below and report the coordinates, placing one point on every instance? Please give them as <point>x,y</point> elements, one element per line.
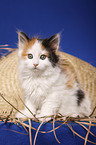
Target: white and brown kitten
<point>44,82</point>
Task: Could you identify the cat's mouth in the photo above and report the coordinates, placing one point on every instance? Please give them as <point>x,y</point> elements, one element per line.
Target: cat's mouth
<point>35,69</point>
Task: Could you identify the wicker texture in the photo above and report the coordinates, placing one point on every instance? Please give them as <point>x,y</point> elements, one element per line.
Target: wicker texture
<point>10,85</point>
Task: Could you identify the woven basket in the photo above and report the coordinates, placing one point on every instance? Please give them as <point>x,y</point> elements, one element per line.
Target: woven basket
<point>10,85</point>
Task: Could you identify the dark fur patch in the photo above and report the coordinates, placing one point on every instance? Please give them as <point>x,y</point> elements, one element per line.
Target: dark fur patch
<point>52,55</point>
<point>80,94</point>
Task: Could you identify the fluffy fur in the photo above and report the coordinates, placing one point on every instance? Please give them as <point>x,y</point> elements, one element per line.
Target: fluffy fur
<point>44,82</point>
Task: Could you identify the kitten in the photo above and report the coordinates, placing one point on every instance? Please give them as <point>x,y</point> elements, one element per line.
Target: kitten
<point>45,83</point>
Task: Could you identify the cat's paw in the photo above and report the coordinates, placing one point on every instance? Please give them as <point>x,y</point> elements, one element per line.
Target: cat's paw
<point>43,119</point>
<point>74,115</point>
<point>24,114</point>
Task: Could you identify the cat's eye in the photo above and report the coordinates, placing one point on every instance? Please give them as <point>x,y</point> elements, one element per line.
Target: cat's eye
<point>43,57</point>
<point>30,56</point>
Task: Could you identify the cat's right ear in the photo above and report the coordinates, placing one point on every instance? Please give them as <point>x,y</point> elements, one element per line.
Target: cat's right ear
<point>22,39</point>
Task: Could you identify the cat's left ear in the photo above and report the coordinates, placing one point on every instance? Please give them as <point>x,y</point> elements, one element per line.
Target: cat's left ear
<point>55,41</point>
<point>22,39</point>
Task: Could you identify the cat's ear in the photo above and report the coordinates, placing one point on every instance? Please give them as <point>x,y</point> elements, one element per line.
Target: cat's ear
<point>55,41</point>
<point>22,39</point>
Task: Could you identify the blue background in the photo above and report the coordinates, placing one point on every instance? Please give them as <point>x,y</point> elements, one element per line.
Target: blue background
<point>12,134</point>
<point>76,19</point>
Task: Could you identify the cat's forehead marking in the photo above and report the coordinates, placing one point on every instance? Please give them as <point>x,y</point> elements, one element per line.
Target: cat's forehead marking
<point>42,47</point>
<point>27,46</point>
<point>36,46</point>
<point>38,49</point>
<point>33,46</point>
<point>44,50</point>
<point>31,42</point>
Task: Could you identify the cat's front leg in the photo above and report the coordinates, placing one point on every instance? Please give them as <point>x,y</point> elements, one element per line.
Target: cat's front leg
<point>48,109</point>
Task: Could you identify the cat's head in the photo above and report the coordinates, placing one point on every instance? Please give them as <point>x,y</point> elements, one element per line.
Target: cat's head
<point>38,54</point>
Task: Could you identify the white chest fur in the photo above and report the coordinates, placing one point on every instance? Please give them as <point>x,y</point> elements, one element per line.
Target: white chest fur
<point>36,87</point>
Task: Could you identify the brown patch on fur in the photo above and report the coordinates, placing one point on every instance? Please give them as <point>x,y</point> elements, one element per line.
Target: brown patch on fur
<point>47,52</point>
<point>42,47</point>
<point>68,69</point>
<point>27,46</point>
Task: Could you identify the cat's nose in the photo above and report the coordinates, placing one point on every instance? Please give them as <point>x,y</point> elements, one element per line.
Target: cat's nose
<point>35,64</point>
